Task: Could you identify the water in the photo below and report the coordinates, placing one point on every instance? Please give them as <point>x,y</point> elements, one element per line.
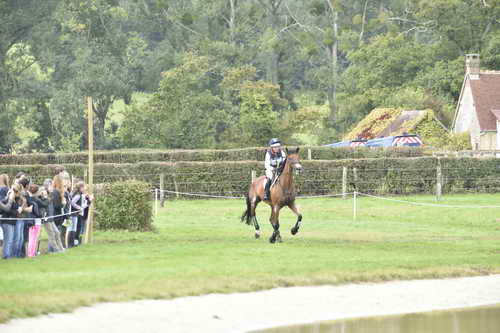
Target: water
<point>470,320</point>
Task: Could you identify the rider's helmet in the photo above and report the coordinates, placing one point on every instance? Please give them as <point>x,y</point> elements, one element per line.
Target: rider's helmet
<point>274,142</point>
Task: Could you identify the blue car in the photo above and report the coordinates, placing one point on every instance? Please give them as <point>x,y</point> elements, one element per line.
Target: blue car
<point>350,143</point>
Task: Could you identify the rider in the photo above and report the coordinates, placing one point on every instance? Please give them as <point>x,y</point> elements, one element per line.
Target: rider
<point>274,159</point>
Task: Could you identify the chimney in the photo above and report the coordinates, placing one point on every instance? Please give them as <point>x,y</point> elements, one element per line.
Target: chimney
<point>472,66</point>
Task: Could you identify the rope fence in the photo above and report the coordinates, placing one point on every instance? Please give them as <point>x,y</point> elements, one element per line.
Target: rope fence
<point>44,219</point>
<point>355,195</point>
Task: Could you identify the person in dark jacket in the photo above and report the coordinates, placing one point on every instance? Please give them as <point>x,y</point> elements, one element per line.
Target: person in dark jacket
<point>58,203</point>
<point>7,200</point>
<point>17,207</point>
<point>4,189</point>
<point>36,223</point>
<point>53,234</point>
<point>20,232</point>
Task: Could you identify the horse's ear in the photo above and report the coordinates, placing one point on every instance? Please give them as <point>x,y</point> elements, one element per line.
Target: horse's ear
<point>286,149</point>
<point>298,148</point>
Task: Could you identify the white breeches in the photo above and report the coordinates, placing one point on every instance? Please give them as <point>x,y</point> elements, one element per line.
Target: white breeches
<point>269,173</point>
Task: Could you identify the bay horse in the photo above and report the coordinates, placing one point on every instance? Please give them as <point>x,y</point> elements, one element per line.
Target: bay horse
<point>282,194</point>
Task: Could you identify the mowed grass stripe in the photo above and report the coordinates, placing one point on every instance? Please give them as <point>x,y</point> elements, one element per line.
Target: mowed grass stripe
<point>201,247</point>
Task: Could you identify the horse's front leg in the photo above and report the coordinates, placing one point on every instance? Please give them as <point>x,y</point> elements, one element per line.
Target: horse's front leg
<point>295,209</point>
<point>276,237</point>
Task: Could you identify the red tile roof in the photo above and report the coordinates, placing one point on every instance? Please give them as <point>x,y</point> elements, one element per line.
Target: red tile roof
<point>486,94</point>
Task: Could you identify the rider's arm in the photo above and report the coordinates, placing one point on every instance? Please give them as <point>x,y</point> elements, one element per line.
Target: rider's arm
<point>267,162</point>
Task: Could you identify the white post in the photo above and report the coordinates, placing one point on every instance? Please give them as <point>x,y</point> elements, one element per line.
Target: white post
<point>156,202</point>
<point>253,175</point>
<point>309,154</point>
<point>344,183</point>
<point>354,207</point>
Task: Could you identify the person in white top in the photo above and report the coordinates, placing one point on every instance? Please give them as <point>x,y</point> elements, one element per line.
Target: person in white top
<point>275,157</point>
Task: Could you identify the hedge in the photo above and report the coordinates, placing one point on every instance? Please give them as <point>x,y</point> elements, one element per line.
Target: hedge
<point>124,205</point>
<point>246,154</point>
<point>381,175</point>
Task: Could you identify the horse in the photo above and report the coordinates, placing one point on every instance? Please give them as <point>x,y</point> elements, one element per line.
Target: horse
<point>282,194</point>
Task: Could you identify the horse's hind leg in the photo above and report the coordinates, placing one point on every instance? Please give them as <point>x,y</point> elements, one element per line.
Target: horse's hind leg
<point>296,227</point>
<point>257,227</point>
<point>254,218</point>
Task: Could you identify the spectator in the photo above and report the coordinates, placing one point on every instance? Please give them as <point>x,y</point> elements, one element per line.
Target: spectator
<point>36,226</point>
<point>13,239</point>
<point>4,188</point>
<point>54,236</point>
<point>58,203</point>
<point>6,202</point>
<point>20,232</point>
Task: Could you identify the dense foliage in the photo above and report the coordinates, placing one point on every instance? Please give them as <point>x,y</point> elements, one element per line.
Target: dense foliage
<point>124,205</point>
<point>228,73</point>
<point>205,155</point>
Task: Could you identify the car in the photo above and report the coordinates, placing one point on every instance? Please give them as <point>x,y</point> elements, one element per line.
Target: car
<point>350,143</point>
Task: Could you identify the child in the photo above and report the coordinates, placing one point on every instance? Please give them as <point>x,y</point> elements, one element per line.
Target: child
<point>35,228</point>
<point>86,201</point>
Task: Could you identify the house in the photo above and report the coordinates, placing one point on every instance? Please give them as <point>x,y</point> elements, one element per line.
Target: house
<point>395,122</point>
<point>478,108</point>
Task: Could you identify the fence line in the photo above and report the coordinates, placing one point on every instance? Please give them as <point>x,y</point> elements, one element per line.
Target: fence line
<point>427,204</point>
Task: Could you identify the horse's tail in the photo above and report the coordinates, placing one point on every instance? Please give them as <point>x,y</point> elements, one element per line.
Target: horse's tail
<point>247,215</point>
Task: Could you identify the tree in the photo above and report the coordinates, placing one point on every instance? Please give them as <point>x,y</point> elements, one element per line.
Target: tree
<point>18,18</point>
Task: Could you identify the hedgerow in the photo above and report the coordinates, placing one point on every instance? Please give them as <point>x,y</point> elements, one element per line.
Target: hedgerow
<point>380,175</point>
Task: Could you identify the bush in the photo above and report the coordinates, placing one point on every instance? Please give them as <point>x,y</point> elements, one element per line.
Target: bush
<point>124,205</point>
<point>459,141</point>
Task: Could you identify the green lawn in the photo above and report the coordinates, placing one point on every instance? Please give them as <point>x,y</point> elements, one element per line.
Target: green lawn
<point>201,247</point>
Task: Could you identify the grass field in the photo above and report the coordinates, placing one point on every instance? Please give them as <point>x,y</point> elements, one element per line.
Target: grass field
<point>201,247</point>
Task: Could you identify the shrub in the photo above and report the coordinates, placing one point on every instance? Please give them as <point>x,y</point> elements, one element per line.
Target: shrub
<point>459,141</point>
<point>124,205</point>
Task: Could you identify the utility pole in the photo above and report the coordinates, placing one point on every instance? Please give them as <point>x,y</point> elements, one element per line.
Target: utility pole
<point>90,220</point>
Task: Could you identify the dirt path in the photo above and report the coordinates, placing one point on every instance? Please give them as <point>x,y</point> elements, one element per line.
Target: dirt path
<point>284,306</point>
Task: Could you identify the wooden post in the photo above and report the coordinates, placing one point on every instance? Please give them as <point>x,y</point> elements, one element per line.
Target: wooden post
<point>344,182</point>
<point>85,175</point>
<point>254,175</point>
<point>90,220</point>
<point>176,188</point>
<point>355,176</point>
<point>309,154</point>
<point>162,187</point>
<point>439,179</point>
<point>355,206</point>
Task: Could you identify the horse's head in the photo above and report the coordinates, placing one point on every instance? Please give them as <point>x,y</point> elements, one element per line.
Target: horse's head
<point>293,159</point>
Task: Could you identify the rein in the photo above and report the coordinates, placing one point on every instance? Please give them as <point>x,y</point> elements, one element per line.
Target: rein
<point>280,172</point>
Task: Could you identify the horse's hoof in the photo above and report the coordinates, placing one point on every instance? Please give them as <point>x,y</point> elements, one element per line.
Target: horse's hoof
<point>272,240</point>
<point>278,240</point>
<point>257,236</point>
<point>295,231</point>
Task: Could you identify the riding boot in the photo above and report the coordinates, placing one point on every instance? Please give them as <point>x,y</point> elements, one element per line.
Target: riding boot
<point>267,190</point>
